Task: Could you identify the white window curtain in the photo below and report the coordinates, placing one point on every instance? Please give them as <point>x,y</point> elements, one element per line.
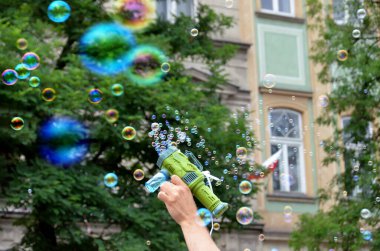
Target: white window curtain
<point>285,133</point>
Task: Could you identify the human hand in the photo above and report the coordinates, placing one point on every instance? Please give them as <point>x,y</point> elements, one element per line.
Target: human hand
<point>179,201</point>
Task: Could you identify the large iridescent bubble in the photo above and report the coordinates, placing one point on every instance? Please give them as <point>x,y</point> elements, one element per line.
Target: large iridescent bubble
<point>135,14</point>
<point>104,48</point>
<point>63,141</point>
<point>146,65</point>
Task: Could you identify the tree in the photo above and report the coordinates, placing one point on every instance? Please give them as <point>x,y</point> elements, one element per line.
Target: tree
<point>65,199</point>
<point>349,56</point>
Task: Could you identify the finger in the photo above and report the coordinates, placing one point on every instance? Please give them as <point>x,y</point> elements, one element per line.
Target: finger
<point>177,181</point>
<point>163,197</point>
<point>166,187</point>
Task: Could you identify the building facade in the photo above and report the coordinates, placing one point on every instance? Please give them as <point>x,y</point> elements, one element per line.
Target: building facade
<point>272,38</point>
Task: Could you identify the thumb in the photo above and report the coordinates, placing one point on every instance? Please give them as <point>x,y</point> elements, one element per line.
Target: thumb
<point>177,181</point>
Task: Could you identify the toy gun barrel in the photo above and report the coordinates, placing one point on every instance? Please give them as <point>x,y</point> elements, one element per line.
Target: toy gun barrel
<point>173,161</point>
<point>156,181</point>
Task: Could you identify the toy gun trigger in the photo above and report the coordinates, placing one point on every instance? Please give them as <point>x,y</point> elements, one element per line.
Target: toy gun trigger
<point>194,160</point>
<point>207,174</point>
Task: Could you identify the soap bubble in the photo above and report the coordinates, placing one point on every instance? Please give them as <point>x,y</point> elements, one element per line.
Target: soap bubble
<point>323,101</point>
<point>244,215</point>
<point>377,199</point>
<point>9,77</point>
<point>63,141</point>
<point>59,11</point>
<point>241,152</point>
<point>31,61</point>
<point>104,48</point>
<point>261,237</point>
<point>288,210</point>
<point>117,90</point>
<point>245,187</point>
<point>95,96</point>
<point>367,235</point>
<point>112,115</point>
<point>229,3</point>
<point>17,123</point>
<point>148,242</point>
<point>342,55</point>
<point>138,174</point>
<point>22,71</point>
<point>356,33</point>
<point>269,81</point>
<point>165,67</point>
<point>361,14</point>
<point>216,226</point>
<point>205,216</point>
<point>365,213</point>
<point>22,44</point>
<point>34,82</point>
<point>110,180</point>
<point>194,32</point>
<point>135,14</point>
<point>128,133</point>
<point>48,94</point>
<point>146,65</point>
<point>155,126</point>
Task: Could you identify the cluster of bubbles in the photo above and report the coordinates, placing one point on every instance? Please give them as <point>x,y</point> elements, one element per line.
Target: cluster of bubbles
<point>110,48</point>
<point>29,62</point>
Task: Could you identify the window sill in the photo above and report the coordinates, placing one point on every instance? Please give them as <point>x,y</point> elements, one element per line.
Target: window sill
<point>291,197</point>
<point>280,17</point>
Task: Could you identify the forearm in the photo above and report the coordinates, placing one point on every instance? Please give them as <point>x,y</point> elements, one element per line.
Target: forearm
<point>198,238</point>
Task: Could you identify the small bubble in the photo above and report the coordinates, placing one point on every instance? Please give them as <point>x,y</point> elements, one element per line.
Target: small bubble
<point>165,67</point>
<point>361,14</point>
<point>356,33</point>
<point>269,81</point>
<point>342,55</point>
<point>22,44</point>
<point>194,32</point>
<point>261,237</point>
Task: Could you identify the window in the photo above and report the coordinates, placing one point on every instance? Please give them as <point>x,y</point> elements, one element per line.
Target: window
<point>357,147</point>
<point>281,7</point>
<point>285,133</point>
<point>340,11</point>
<point>169,9</point>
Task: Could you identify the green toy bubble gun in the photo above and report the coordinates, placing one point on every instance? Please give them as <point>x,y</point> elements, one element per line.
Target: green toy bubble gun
<point>173,161</point>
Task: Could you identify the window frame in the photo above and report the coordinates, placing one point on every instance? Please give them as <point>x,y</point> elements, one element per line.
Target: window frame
<point>285,143</point>
<point>276,8</point>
